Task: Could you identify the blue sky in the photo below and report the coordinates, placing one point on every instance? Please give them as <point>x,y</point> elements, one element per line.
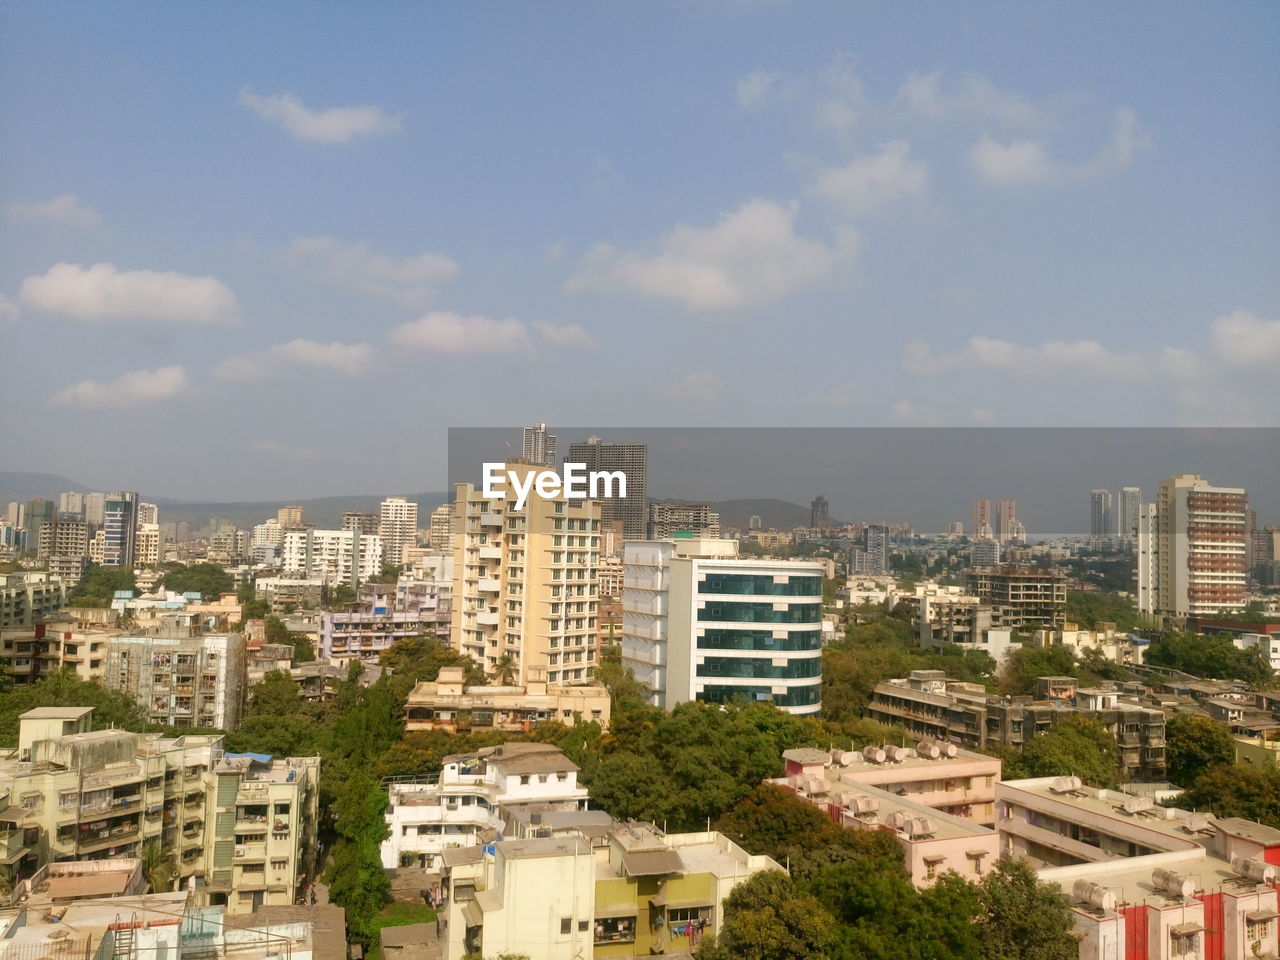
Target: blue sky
<point>277,249</point>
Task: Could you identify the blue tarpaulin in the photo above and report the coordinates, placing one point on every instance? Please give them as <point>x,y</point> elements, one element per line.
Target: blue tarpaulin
<point>256,757</point>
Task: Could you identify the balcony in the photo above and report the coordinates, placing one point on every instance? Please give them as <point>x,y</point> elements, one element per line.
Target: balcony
<point>490,586</point>
<point>251,851</point>
<point>11,844</point>
<point>491,520</point>
<point>490,553</point>
<point>487,618</point>
<point>93,840</point>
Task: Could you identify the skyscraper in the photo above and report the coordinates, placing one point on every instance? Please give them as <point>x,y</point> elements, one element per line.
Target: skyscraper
<point>148,513</point>
<point>39,512</point>
<point>1100,524</point>
<point>1192,548</point>
<point>95,508</point>
<point>398,528</point>
<point>819,512</point>
<point>120,526</point>
<point>539,447</point>
<point>290,517</point>
<point>1007,520</point>
<point>1128,510</point>
<point>71,502</point>
<point>633,460</point>
<point>982,519</point>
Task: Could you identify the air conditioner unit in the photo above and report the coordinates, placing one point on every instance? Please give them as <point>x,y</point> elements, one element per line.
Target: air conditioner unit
<point>239,851</point>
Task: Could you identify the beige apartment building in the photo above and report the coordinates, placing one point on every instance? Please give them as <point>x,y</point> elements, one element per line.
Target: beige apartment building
<point>526,582</point>
<point>192,681</point>
<point>242,829</point>
<point>30,597</point>
<point>449,704</point>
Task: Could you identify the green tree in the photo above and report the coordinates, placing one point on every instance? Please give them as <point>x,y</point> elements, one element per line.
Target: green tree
<point>1023,918</point>
<point>1238,790</point>
<point>1209,656</point>
<point>1024,666</point>
<point>1077,745</point>
<point>1195,744</point>
<point>111,708</point>
<point>99,585</point>
<point>158,866</point>
<point>625,691</point>
<point>207,579</point>
<point>768,918</point>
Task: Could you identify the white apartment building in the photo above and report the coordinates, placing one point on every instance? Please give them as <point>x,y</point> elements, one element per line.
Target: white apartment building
<point>438,536</point>
<point>701,623</point>
<point>525,582</point>
<point>398,528</point>
<point>473,799</point>
<point>331,555</point>
<point>194,681</point>
<point>1193,548</point>
<point>148,544</point>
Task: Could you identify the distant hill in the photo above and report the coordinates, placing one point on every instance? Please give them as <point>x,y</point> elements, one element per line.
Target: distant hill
<point>781,514</point>
<point>324,512</point>
<point>16,485</point>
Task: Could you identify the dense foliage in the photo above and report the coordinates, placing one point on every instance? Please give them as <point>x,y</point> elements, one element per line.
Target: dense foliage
<point>1088,610</point>
<point>207,579</point>
<point>1195,745</point>
<point>1213,657</point>
<point>64,689</point>
<point>1237,790</point>
<point>99,585</point>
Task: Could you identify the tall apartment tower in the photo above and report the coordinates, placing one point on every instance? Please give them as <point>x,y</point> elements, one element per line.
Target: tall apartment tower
<point>633,460</point>
<point>701,623</point>
<point>71,502</point>
<point>1192,549</point>
<point>1007,520</point>
<point>120,527</point>
<point>819,512</point>
<point>1128,509</point>
<point>148,513</point>
<point>290,517</point>
<point>539,447</point>
<point>398,527</point>
<point>1100,521</point>
<point>365,523</point>
<point>525,583</point>
<point>441,527</point>
<point>95,508</point>
<point>667,520</point>
<point>982,528</point>
<point>38,512</point>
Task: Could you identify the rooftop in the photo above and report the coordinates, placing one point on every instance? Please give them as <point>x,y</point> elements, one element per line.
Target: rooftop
<point>56,713</point>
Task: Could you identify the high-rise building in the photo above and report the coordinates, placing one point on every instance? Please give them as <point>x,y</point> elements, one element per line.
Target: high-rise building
<point>1192,549</point>
<point>63,538</point>
<point>525,587</point>
<point>755,522</point>
<point>195,681</point>
<point>1100,519</point>
<point>1007,521</point>
<point>441,527</point>
<point>334,556</point>
<point>359,520</point>
<point>955,528</point>
<point>120,526</point>
<point>632,459</point>
<point>148,513</point>
<point>982,519</point>
<point>1128,509</point>
<point>95,508</point>
<point>290,517</point>
<point>148,545</point>
<point>16,514</point>
<point>701,623</point>
<point>71,502</point>
<point>539,447</point>
<point>819,512</point>
<point>38,512</point>
<point>984,552</point>
<point>398,528</point>
<point>670,519</point>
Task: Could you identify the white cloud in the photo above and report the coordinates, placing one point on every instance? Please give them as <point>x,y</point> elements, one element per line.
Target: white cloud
<point>1245,339</point>
<point>564,334</point>
<point>974,98</point>
<point>698,387</point>
<point>989,353</point>
<point>65,208</point>
<point>872,182</point>
<point>345,358</point>
<point>354,266</point>
<point>104,293</point>
<point>751,256</point>
<point>130,390</point>
<point>454,334</point>
<point>1025,162</point>
<point>332,125</point>
<point>8,309</point>
<point>755,89</point>
<point>834,94</point>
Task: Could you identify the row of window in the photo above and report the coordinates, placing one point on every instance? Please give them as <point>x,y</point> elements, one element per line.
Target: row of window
<point>759,640</point>
<point>747,584</point>
<point>729,610</point>
<point>760,669</point>
<point>798,697</point>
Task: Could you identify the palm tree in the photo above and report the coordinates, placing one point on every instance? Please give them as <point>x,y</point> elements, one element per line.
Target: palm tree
<point>505,670</point>
<point>157,866</point>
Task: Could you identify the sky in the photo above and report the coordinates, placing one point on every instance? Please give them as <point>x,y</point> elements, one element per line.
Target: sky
<point>277,250</point>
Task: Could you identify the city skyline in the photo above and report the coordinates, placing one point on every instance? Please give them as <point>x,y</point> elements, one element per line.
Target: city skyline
<point>1018,213</point>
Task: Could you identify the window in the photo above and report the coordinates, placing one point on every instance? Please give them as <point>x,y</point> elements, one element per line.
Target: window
<point>566,924</point>
<point>615,930</point>
<point>582,926</point>
<point>687,915</point>
<point>524,779</point>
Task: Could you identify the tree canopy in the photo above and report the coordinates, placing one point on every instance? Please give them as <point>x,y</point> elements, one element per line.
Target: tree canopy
<point>99,585</point>
<point>1194,746</point>
<point>1214,657</point>
<point>207,579</point>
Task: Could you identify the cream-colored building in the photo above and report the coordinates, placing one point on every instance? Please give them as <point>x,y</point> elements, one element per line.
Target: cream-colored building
<point>192,681</point>
<point>68,792</point>
<point>525,582</point>
<point>397,527</point>
<point>448,704</point>
<point>30,597</point>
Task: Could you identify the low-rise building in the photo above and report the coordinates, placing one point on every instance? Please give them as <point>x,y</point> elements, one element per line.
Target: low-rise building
<point>30,597</point>
<point>449,704</point>
<point>382,615</point>
<point>286,594</point>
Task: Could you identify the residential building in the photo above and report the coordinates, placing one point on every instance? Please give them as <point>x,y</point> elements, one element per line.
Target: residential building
<point>148,545</point>
<point>365,523</point>
<point>670,519</point>
<point>63,537</point>
<point>1146,882</point>
<point>943,616</point>
<point>1029,595</point>
<point>473,798</point>
<point>59,643</point>
<point>610,576</point>
<point>438,534</point>
<point>95,508</point>
<point>1007,521</point>
<point>30,597</point>
<point>1193,549</point>
<point>333,556</point>
<point>702,623</point>
<point>1101,521</point>
<point>889,789</point>
<point>148,513</point>
<point>37,513</point>
<point>819,512</point>
<point>934,707</point>
<point>525,582</point>
<point>382,615</point>
<point>398,528</point>
<point>632,460</point>
<point>984,552</point>
<point>290,518</point>
<point>191,681</point>
<point>633,891</point>
<point>1128,510</point>
<point>538,447</point>
<point>286,594</point>
<point>72,503</point>
<point>449,704</point>
<point>269,533</point>
<point>982,519</point>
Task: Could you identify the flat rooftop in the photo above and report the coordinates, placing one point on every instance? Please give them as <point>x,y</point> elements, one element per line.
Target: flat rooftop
<point>56,713</point>
<point>1109,804</point>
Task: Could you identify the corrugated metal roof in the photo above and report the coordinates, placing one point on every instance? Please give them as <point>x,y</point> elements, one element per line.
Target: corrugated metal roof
<point>651,863</point>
